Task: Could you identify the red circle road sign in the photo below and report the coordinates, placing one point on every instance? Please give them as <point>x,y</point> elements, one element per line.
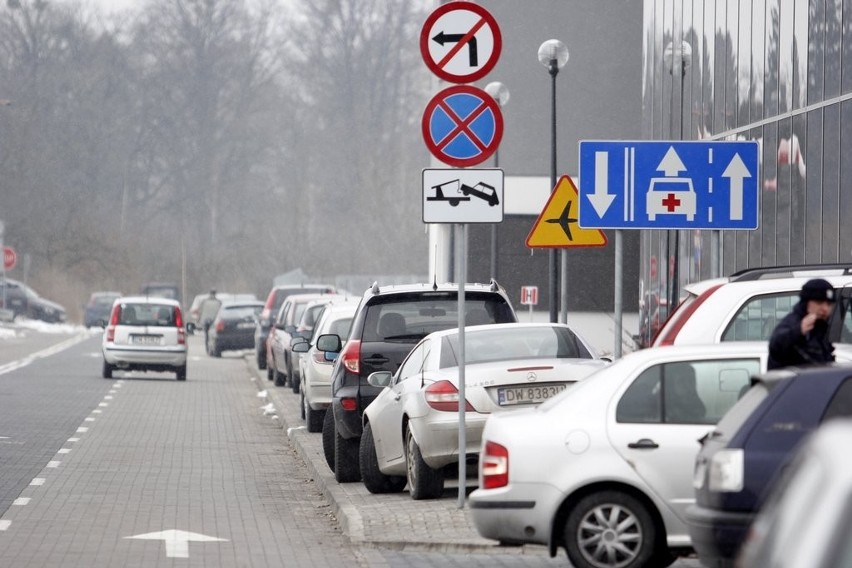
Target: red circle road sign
<point>462,126</point>
<point>9,258</point>
<point>460,42</point>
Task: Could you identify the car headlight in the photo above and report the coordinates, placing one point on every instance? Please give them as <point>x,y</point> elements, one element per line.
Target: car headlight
<point>726,471</point>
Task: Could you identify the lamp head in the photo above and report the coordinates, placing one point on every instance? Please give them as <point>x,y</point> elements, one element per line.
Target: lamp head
<point>553,54</point>
<point>498,91</point>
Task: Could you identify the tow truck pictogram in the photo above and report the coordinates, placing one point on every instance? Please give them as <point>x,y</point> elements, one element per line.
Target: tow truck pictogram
<point>481,190</point>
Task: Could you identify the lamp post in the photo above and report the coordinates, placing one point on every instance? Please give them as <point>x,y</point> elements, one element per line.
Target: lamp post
<point>553,55</point>
<point>676,57</point>
<point>500,93</point>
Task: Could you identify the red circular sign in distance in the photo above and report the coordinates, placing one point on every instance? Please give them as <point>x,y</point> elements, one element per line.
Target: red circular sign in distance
<point>9,258</point>
<point>463,126</point>
<point>462,40</point>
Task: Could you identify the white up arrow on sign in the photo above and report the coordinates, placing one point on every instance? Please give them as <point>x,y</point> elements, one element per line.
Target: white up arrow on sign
<point>736,172</point>
<point>177,542</point>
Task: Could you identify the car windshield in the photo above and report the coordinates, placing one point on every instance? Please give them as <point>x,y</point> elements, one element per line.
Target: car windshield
<point>240,312</point>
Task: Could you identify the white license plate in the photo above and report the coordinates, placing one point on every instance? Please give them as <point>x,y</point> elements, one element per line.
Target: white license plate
<point>245,325</point>
<point>145,339</point>
<point>528,394</point>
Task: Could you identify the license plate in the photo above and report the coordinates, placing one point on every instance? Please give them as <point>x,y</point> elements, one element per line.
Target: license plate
<point>245,325</point>
<point>528,394</point>
<point>145,339</point>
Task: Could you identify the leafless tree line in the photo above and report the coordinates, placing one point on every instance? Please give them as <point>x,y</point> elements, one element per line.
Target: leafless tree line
<point>216,142</point>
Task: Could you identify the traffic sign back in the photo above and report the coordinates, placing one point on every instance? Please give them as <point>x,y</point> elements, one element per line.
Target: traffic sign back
<point>557,227</point>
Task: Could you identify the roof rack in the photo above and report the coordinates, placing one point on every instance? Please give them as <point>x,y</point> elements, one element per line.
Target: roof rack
<point>767,272</point>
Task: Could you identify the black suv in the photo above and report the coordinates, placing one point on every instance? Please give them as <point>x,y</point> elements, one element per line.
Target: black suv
<point>751,445</point>
<point>389,322</point>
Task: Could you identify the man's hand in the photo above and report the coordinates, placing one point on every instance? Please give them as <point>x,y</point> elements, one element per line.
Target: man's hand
<point>808,323</point>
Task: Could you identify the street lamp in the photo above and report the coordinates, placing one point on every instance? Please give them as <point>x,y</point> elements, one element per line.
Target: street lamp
<point>554,55</point>
<point>676,56</point>
<point>500,93</point>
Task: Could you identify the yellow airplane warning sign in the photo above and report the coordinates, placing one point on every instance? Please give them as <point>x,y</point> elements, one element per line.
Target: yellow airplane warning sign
<point>557,226</point>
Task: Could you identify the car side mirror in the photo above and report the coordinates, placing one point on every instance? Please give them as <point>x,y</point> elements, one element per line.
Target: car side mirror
<point>296,340</point>
<point>329,342</point>
<point>190,327</point>
<point>300,346</point>
<point>380,378</point>
<point>291,329</point>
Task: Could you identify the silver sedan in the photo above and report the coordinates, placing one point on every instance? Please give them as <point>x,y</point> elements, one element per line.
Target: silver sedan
<point>411,428</point>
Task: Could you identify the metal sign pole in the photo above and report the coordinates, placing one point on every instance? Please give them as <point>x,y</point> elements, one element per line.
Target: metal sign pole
<point>462,273</point>
<point>619,307</point>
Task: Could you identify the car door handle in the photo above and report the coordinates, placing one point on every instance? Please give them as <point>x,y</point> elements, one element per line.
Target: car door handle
<point>643,444</point>
<point>376,360</point>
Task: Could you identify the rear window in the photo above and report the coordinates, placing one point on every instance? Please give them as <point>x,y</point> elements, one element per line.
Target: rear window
<point>504,345</point>
<point>157,315</point>
<point>239,312</point>
<point>739,413</point>
<point>414,318</point>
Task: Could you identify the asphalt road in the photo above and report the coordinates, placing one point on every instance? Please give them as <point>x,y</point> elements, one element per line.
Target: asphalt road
<point>143,470</point>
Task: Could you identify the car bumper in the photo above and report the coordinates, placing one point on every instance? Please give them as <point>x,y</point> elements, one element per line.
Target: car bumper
<point>317,393</point>
<point>139,357</point>
<point>516,514</point>
<point>717,535</point>
<point>234,342</point>
<point>437,435</point>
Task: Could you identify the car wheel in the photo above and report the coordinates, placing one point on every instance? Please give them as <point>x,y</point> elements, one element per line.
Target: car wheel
<point>107,370</point>
<point>181,373</point>
<point>277,376</point>
<point>374,480</point>
<point>328,438</point>
<point>295,383</point>
<point>314,418</point>
<point>609,529</point>
<point>346,459</point>
<point>269,374</point>
<point>215,351</point>
<point>423,481</point>
<point>302,404</point>
<point>261,360</point>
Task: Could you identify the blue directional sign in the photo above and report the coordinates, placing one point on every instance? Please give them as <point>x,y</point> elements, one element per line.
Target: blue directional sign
<point>669,185</point>
<point>462,126</point>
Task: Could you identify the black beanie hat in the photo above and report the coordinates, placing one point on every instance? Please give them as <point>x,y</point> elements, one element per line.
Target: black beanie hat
<point>817,289</point>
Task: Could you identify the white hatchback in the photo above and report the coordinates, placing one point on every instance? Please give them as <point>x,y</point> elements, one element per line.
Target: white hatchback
<point>604,470</point>
<point>145,334</point>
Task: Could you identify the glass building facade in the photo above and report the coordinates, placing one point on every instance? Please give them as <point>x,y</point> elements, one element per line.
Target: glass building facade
<point>775,71</point>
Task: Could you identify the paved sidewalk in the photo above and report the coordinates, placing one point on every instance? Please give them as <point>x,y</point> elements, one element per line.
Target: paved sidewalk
<point>391,521</point>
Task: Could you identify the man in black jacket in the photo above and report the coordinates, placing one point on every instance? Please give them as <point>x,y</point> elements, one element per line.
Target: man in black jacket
<point>801,338</point>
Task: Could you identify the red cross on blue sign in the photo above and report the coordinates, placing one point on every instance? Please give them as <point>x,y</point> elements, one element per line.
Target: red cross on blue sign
<point>462,126</point>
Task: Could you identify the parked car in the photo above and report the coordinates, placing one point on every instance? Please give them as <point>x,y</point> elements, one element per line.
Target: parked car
<point>740,459</point>
<point>193,317</point>
<point>316,364</point>
<point>411,430</point>
<point>604,469</point>
<point>273,302</point>
<point>161,290</point>
<point>97,310</point>
<point>304,332</point>
<point>233,327</point>
<point>389,322</point>
<point>747,305</point>
<point>145,333</point>
<point>22,300</point>
<point>279,344</point>
<point>806,519</point>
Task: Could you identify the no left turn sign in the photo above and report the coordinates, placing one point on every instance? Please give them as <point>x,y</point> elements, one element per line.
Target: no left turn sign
<point>460,42</point>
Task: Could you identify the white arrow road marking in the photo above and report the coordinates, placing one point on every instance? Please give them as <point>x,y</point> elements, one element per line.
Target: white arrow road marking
<point>20,501</point>
<point>4,525</point>
<point>37,481</point>
<point>736,172</point>
<point>177,542</point>
<point>601,199</point>
<point>671,164</point>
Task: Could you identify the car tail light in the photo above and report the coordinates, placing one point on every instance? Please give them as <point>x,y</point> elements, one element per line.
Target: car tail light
<point>726,471</point>
<point>349,404</point>
<point>669,335</point>
<point>220,325</point>
<point>444,396</point>
<point>179,325</point>
<point>351,356</point>
<point>113,321</point>
<point>494,466</point>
